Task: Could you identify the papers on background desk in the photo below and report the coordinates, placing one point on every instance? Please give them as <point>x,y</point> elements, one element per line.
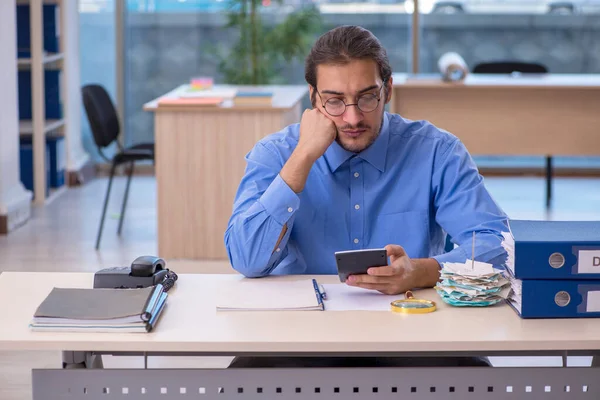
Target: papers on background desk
<point>224,93</point>
<point>472,284</point>
<point>192,102</point>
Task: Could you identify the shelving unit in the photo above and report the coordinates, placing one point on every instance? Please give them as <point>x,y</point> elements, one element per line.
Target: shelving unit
<point>50,125</point>
<point>38,127</point>
<point>46,59</point>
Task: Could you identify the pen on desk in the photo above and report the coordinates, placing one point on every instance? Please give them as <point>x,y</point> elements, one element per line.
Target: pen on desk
<point>323,294</point>
<point>318,293</point>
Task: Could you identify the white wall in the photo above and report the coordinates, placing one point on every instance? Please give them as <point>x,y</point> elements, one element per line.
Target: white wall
<point>76,155</point>
<point>15,201</point>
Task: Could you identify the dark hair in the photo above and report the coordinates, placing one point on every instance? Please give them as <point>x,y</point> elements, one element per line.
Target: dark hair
<point>343,44</point>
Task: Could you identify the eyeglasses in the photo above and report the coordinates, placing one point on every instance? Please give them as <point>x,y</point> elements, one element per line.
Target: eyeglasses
<point>336,107</point>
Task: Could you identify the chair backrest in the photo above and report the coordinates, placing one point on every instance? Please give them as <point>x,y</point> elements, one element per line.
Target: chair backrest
<point>508,67</point>
<point>101,115</point>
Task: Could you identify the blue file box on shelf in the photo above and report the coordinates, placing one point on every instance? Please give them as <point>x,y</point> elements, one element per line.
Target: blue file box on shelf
<point>51,95</point>
<point>49,20</point>
<point>56,159</point>
<point>26,164</point>
<point>50,45</point>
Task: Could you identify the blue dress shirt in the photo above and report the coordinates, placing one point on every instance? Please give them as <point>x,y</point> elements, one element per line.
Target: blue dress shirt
<point>413,185</point>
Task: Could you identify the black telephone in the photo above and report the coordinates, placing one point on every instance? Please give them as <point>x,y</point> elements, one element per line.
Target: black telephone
<point>144,271</point>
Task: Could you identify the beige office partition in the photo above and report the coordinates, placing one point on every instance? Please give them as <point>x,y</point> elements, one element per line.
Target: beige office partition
<point>200,160</point>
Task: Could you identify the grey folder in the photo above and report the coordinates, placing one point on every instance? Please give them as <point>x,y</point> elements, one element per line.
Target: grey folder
<point>71,305</point>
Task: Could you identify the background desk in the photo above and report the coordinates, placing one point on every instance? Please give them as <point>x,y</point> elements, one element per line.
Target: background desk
<point>547,115</point>
<point>191,325</point>
<point>200,162</point>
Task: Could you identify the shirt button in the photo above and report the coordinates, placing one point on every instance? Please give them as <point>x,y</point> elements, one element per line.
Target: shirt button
<point>356,174</point>
<point>290,209</point>
<point>356,207</point>
<point>355,240</point>
<point>278,250</point>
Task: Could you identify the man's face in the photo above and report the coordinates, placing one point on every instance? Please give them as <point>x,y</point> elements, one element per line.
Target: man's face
<point>356,129</point>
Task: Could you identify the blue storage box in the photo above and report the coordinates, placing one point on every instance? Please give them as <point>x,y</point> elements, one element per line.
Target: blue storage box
<point>51,94</point>
<point>56,159</point>
<point>49,20</point>
<point>26,161</point>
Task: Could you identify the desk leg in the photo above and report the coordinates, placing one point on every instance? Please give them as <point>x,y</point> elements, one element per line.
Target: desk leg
<point>81,360</point>
<point>548,181</point>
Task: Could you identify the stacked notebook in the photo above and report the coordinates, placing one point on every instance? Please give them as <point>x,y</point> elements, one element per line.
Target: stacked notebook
<point>554,268</point>
<point>100,310</point>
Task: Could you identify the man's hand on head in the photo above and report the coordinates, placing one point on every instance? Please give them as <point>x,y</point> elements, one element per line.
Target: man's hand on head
<point>402,274</point>
<point>317,133</point>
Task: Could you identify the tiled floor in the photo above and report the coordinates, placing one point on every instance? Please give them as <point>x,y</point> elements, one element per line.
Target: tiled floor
<point>61,237</point>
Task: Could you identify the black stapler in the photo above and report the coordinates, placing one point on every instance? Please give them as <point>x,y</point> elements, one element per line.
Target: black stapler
<point>144,271</point>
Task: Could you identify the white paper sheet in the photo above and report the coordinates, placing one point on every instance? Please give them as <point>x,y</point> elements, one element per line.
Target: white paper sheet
<point>341,297</point>
<point>468,268</point>
<point>267,295</point>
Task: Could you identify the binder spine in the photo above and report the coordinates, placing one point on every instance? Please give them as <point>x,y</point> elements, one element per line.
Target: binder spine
<point>560,299</point>
<point>557,260</point>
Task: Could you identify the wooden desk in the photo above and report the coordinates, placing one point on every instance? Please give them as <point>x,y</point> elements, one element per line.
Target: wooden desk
<point>200,162</point>
<point>545,115</point>
<point>191,325</point>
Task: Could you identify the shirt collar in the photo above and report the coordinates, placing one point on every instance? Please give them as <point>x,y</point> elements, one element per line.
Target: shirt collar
<point>335,156</point>
<point>374,154</point>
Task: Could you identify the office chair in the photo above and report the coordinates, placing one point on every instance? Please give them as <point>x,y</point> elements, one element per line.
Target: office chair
<point>104,124</point>
<point>509,67</point>
<point>448,7</point>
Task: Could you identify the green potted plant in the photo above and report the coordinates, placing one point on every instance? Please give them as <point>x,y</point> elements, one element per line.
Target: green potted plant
<point>262,50</point>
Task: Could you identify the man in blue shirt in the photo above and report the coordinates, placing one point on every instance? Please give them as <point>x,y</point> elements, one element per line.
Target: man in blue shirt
<point>353,176</point>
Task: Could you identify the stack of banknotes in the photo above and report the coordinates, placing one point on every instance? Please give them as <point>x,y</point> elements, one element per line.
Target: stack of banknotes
<point>472,283</point>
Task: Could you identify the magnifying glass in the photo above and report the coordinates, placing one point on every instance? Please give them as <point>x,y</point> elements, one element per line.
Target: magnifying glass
<point>412,305</point>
